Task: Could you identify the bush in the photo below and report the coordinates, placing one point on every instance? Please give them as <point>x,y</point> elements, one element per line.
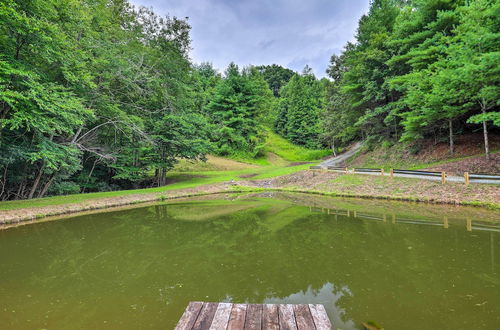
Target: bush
<point>64,188</point>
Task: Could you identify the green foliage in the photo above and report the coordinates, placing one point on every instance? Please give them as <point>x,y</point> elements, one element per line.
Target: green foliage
<point>99,92</point>
<point>276,76</point>
<point>291,152</point>
<point>237,112</point>
<point>419,69</point>
<point>300,105</point>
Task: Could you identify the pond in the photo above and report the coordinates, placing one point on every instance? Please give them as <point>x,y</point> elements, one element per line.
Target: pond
<point>402,265</point>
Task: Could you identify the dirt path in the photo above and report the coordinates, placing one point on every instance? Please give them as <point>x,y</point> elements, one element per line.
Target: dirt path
<point>340,159</point>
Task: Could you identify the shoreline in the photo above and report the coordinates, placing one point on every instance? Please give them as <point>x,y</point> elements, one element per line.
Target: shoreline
<point>9,218</point>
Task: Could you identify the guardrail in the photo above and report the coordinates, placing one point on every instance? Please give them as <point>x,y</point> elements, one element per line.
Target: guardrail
<point>429,173</point>
<point>367,170</point>
<point>484,177</point>
<point>468,178</point>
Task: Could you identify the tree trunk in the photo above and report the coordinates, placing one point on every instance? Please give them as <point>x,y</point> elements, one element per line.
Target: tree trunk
<point>485,133</point>
<point>333,148</point>
<point>4,182</point>
<point>37,181</point>
<point>451,137</point>
<point>46,186</point>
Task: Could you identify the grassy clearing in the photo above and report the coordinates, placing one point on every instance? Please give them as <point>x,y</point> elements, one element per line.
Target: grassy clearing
<point>180,180</point>
<point>213,163</point>
<point>277,152</point>
<point>189,174</point>
<point>291,152</point>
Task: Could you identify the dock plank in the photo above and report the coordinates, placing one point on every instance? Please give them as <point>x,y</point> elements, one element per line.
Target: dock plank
<point>253,319</point>
<point>221,317</point>
<point>303,317</point>
<point>228,316</point>
<point>270,317</point>
<point>189,317</point>
<point>287,317</point>
<point>206,316</point>
<point>237,317</point>
<point>320,317</point>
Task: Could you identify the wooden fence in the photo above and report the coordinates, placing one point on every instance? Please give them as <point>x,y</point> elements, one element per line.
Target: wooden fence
<point>468,178</point>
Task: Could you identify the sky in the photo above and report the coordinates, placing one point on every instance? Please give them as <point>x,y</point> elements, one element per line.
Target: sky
<point>291,33</point>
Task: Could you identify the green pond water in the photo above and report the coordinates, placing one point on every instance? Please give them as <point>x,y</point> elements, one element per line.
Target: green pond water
<point>404,266</point>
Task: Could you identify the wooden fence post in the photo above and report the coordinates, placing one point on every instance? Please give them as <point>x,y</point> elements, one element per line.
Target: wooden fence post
<point>392,173</point>
<point>466,178</point>
<point>353,170</point>
<point>346,170</point>
<point>443,177</point>
<point>382,171</point>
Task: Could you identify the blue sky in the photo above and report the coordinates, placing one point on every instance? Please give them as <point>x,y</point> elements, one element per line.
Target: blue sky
<point>291,33</point>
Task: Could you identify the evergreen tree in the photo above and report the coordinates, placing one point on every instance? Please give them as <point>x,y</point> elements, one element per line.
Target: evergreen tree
<point>237,111</point>
<point>300,105</point>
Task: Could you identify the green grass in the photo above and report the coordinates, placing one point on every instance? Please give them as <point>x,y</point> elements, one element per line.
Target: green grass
<point>291,152</point>
<point>180,180</point>
<point>188,175</point>
<point>248,158</point>
<point>283,149</point>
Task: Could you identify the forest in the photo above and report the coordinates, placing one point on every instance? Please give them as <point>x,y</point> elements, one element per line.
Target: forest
<point>99,95</point>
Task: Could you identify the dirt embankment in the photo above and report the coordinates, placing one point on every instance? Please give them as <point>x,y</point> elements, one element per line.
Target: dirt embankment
<point>18,215</point>
<point>478,165</point>
<point>429,151</point>
<point>381,187</point>
<point>313,181</point>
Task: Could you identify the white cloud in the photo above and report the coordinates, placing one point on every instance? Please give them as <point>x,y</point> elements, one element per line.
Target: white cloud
<point>291,33</point>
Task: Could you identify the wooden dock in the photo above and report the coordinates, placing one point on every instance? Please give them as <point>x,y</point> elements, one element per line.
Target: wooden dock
<point>226,316</point>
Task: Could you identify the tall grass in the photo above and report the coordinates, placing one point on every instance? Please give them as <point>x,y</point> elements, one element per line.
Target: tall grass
<point>291,152</point>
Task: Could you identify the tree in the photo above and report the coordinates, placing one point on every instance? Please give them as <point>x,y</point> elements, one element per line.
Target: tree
<point>474,61</point>
<point>300,105</point>
<point>93,94</point>
<point>276,76</point>
<point>237,111</point>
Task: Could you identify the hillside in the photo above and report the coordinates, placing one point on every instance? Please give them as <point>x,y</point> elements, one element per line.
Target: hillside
<point>277,152</point>
<point>468,156</point>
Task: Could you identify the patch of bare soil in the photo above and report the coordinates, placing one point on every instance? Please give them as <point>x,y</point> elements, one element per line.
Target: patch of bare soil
<point>251,175</point>
<point>302,180</point>
<point>298,163</point>
<point>465,145</point>
<point>275,160</point>
<point>381,187</point>
<point>478,165</point>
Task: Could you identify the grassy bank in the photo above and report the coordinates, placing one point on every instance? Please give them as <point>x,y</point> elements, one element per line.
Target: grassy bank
<point>288,179</point>
<point>179,180</point>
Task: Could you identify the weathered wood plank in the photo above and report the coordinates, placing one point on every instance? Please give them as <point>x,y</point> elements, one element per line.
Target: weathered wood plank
<point>253,320</point>
<point>270,317</point>
<point>189,317</point>
<point>227,316</point>
<point>303,317</point>
<point>206,316</point>
<point>237,317</point>
<point>221,317</point>
<point>287,317</point>
<point>320,317</point>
